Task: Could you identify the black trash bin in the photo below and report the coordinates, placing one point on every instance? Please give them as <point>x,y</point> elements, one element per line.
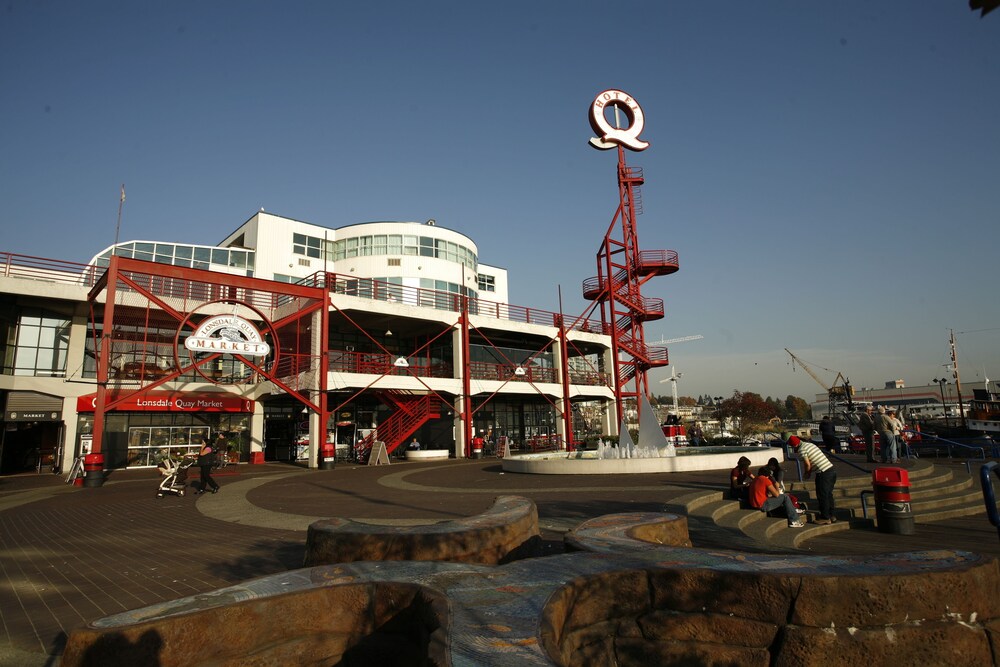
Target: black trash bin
<point>892,501</point>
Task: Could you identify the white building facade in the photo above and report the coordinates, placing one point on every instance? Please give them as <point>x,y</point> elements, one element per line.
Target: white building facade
<point>420,342</point>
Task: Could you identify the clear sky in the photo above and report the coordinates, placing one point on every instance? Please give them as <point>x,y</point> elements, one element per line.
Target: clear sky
<point>827,171</point>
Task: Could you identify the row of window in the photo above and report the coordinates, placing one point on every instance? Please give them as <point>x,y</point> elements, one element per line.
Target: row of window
<point>383,244</point>
<point>189,256</point>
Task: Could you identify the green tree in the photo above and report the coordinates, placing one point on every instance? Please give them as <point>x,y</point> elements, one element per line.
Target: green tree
<point>797,408</point>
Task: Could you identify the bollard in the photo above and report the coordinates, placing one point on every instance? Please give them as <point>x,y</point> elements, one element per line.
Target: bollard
<point>93,469</point>
<point>328,456</point>
<point>892,501</point>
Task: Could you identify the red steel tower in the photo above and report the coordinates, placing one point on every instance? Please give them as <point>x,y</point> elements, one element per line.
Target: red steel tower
<point>622,268</point>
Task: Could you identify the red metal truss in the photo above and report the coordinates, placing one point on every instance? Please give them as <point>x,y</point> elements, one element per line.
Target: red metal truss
<point>148,308</point>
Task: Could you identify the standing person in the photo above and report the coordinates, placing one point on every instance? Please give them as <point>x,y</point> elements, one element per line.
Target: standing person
<point>897,433</point>
<point>829,434</point>
<point>826,477</point>
<point>887,441</point>
<point>221,447</point>
<point>866,423</point>
<point>206,457</point>
<point>696,435</point>
<point>765,496</point>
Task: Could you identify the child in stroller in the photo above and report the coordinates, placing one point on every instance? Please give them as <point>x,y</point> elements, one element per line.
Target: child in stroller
<point>174,475</point>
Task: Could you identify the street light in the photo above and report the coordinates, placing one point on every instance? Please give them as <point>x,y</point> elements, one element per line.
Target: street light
<point>944,406</point>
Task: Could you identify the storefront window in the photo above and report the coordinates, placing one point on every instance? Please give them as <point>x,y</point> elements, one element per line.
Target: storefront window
<point>143,439</point>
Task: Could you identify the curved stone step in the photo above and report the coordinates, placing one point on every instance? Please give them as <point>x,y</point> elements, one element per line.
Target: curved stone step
<point>716,509</point>
<point>689,502</point>
<point>741,520</point>
<point>793,538</point>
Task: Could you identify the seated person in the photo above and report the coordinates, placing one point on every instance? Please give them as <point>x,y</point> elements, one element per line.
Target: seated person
<point>764,495</point>
<point>777,474</point>
<point>739,479</point>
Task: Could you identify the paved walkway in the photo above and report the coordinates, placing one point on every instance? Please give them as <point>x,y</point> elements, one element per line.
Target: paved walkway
<point>69,555</point>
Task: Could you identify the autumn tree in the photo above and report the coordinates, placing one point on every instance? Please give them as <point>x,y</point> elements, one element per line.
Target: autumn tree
<point>747,414</point>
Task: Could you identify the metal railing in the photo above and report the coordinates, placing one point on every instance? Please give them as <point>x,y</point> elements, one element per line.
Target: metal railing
<point>13,265</point>
<point>791,456</point>
<point>933,440</point>
<point>989,497</point>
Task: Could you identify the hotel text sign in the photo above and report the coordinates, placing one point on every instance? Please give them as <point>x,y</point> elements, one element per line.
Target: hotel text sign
<point>609,136</point>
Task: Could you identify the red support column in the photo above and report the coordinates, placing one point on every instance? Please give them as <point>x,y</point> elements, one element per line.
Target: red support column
<point>94,462</point>
<point>466,414</point>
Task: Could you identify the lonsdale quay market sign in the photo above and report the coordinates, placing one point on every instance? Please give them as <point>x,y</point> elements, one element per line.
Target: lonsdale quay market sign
<point>228,334</point>
<point>169,401</point>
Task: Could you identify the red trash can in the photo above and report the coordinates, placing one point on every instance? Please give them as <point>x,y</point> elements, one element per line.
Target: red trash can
<point>893,512</point>
<point>93,469</point>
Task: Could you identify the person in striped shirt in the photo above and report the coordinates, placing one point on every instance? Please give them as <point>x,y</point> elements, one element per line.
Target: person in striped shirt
<point>826,477</point>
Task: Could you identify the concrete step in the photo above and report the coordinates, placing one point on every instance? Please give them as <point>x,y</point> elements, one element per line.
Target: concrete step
<point>741,520</point>
<point>689,502</point>
<point>716,509</point>
<point>925,498</point>
<point>919,472</point>
<point>793,538</point>
<point>937,493</point>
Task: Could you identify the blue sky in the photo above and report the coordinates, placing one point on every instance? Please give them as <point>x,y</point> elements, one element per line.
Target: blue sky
<point>826,171</point>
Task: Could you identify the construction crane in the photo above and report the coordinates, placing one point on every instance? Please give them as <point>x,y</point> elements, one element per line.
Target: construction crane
<point>674,375</point>
<point>838,393</point>
<point>682,339</point>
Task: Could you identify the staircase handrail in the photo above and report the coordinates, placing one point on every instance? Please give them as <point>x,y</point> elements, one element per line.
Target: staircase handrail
<point>952,443</point>
<point>798,462</point>
<point>989,497</point>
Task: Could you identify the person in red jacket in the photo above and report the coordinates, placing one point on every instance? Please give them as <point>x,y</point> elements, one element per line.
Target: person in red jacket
<point>765,496</point>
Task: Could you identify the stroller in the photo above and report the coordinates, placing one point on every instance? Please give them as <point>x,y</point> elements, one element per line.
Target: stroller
<point>174,476</point>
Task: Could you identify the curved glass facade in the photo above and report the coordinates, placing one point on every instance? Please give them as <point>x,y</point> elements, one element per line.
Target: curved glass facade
<point>404,244</point>
<point>180,254</point>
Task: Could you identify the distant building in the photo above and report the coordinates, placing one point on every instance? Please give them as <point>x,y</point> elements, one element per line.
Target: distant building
<point>924,400</point>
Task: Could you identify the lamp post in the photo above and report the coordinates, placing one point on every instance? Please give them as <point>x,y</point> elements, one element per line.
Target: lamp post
<point>716,400</point>
<point>941,382</point>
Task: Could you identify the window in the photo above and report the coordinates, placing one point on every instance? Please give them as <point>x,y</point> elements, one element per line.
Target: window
<point>364,246</point>
<point>426,246</point>
<point>37,344</point>
<point>306,245</point>
<point>487,283</point>
<point>394,245</point>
